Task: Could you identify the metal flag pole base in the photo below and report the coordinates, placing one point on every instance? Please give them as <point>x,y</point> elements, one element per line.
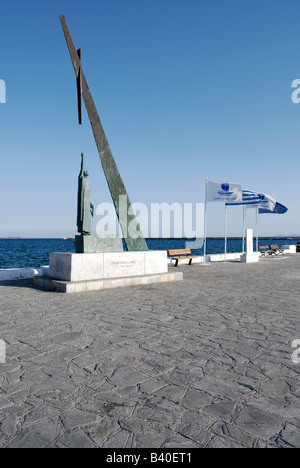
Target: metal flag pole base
<point>206,263</point>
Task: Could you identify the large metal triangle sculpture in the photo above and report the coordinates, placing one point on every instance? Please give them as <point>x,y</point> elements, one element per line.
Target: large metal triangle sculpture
<point>116,185</point>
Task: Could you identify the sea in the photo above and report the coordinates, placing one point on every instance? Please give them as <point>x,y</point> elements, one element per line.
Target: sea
<point>34,253</point>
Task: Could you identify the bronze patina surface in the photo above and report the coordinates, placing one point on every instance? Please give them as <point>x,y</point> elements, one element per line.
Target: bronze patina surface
<point>128,221</point>
<point>85,208</point>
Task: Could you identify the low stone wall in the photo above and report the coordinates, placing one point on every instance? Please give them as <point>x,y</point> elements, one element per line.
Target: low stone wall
<point>210,258</point>
<point>22,273</point>
<point>289,248</point>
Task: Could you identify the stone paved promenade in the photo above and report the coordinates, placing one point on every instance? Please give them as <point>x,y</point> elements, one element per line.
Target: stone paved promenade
<point>205,362</point>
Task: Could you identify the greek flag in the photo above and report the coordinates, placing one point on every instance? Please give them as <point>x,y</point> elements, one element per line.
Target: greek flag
<point>261,200</point>
<point>223,191</point>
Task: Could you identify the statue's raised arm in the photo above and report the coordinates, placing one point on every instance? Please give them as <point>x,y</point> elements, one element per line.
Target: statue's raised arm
<point>82,165</point>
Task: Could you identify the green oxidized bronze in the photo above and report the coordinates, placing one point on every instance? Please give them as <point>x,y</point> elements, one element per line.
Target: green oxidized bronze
<point>113,177</point>
<point>85,209</point>
<point>85,242</point>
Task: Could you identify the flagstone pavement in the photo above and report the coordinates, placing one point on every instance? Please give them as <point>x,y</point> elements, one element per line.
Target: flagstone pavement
<point>203,362</point>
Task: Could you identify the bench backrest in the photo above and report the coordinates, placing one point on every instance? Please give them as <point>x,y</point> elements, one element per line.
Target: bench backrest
<point>274,247</point>
<point>179,251</point>
<point>263,247</point>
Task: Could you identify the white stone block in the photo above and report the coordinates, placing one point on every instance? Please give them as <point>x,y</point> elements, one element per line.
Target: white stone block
<point>156,262</point>
<point>245,258</point>
<point>87,266</point>
<point>122,264</point>
<point>106,265</point>
<point>22,273</point>
<point>249,241</point>
<point>289,248</point>
<point>76,267</point>
<point>60,266</point>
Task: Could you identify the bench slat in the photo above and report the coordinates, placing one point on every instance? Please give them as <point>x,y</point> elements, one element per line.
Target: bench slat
<point>179,251</point>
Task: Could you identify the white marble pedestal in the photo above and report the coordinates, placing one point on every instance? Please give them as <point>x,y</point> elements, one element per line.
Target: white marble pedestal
<point>71,272</point>
<point>249,256</point>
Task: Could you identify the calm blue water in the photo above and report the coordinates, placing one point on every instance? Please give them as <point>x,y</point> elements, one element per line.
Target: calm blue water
<point>21,253</point>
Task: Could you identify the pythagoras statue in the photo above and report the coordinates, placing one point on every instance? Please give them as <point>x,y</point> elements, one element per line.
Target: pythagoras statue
<point>85,209</point>
<point>85,242</point>
<point>113,177</point>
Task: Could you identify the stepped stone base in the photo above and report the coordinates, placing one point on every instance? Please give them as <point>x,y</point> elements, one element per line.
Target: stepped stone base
<point>69,272</point>
<point>94,285</point>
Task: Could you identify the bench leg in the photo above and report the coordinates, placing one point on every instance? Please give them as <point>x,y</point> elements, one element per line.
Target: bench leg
<point>190,262</point>
<point>176,263</point>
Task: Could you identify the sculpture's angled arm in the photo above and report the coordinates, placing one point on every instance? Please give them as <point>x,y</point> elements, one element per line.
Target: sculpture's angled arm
<point>113,177</point>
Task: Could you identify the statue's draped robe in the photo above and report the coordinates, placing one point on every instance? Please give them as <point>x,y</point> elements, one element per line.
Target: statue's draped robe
<point>84,205</point>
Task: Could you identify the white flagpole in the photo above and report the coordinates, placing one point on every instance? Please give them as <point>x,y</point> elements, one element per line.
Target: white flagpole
<point>205,220</point>
<point>225,232</point>
<point>244,215</point>
<point>257,212</point>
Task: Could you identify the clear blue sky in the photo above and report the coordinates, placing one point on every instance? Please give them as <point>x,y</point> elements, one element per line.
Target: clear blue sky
<point>185,89</point>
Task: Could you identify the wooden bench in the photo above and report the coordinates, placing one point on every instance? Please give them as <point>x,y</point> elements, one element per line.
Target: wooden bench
<point>276,250</point>
<point>265,251</point>
<point>181,254</point>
